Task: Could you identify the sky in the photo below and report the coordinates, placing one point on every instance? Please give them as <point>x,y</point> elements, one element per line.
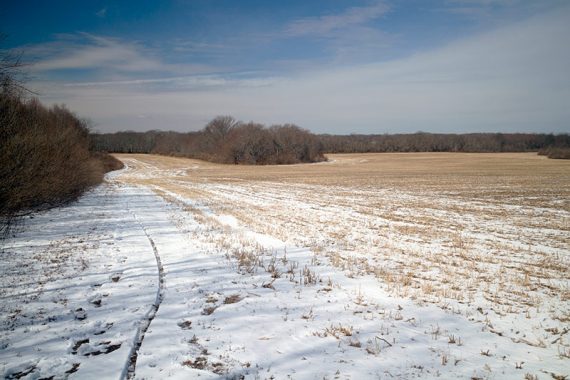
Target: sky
<point>330,66</point>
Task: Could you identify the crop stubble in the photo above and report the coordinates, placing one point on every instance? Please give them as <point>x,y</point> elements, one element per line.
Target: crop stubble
<point>484,235</point>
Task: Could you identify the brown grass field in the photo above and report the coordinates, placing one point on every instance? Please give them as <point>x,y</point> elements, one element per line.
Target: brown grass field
<point>468,232</point>
<point>508,177</point>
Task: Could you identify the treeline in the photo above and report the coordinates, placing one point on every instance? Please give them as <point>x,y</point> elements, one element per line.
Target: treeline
<point>431,142</point>
<point>223,140</point>
<point>45,158</point>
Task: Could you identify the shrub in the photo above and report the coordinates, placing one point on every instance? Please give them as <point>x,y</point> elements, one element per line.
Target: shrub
<point>44,157</point>
<point>556,153</point>
<point>108,162</point>
<point>44,152</point>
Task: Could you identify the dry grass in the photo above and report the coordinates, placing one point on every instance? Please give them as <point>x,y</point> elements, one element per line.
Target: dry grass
<point>234,298</point>
<point>486,231</point>
<point>501,175</point>
<point>336,331</point>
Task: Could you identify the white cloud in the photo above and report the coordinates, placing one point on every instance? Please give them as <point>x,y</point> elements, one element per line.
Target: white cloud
<point>185,82</point>
<point>87,51</point>
<point>347,37</point>
<point>95,52</point>
<point>323,25</point>
<point>514,78</point>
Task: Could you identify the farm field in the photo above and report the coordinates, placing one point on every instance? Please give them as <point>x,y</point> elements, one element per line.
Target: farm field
<point>417,265</point>
<point>434,227</point>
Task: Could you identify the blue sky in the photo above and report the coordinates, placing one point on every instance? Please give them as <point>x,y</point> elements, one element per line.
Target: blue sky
<point>331,66</point>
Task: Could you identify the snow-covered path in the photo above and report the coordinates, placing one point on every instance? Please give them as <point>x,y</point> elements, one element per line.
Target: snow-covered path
<point>76,283</point>
<point>80,284</point>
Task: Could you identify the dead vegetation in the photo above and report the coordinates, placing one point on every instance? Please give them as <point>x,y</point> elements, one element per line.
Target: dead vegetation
<point>483,235</point>
<point>44,157</point>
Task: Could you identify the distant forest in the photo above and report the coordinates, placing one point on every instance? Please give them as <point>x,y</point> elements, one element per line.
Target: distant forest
<point>226,140</point>
<point>436,142</point>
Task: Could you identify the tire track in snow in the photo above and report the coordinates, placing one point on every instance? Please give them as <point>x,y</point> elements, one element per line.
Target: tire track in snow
<point>130,366</point>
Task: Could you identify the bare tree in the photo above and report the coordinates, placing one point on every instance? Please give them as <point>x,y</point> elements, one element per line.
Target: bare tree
<point>216,131</point>
<point>13,74</point>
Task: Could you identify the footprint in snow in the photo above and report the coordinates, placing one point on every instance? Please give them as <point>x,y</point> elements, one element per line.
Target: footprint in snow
<point>21,370</point>
<point>84,347</point>
<point>185,325</point>
<point>101,329</point>
<point>73,369</point>
<point>96,300</point>
<point>80,314</point>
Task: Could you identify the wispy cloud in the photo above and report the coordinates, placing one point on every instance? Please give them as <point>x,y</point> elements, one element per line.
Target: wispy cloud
<point>359,44</point>
<point>107,56</point>
<point>88,52</point>
<point>193,82</point>
<point>191,46</point>
<point>489,10</point>
<point>346,37</point>
<point>102,12</point>
<point>322,25</point>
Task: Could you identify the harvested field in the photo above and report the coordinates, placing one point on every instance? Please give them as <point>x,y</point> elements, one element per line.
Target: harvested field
<point>484,235</point>
<point>367,266</point>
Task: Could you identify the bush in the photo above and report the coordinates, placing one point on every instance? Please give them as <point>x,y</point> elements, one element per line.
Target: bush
<point>44,157</point>
<point>556,153</point>
<point>108,162</point>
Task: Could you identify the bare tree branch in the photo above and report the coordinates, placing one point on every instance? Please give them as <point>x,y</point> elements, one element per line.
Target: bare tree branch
<point>13,72</point>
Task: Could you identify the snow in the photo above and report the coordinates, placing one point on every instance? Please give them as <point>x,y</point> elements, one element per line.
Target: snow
<point>188,292</point>
<point>76,283</point>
